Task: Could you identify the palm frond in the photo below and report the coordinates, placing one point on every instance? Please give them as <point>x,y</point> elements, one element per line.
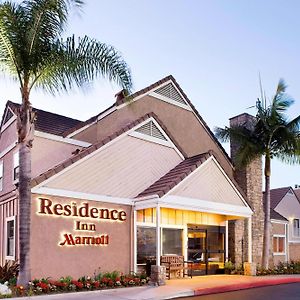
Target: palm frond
<point>72,63</point>
<point>10,40</point>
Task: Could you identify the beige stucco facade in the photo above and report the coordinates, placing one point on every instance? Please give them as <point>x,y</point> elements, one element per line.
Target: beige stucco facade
<point>49,259</point>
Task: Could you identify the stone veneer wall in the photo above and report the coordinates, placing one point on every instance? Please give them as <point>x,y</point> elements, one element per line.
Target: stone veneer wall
<point>250,180</point>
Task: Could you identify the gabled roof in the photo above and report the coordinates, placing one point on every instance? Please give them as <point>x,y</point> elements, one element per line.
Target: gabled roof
<point>86,151</point>
<point>297,193</point>
<point>179,173</point>
<point>274,215</point>
<point>48,122</point>
<point>121,100</point>
<point>175,176</point>
<point>277,195</point>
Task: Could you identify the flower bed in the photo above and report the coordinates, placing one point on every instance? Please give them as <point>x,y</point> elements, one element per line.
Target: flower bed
<point>280,269</point>
<point>86,283</point>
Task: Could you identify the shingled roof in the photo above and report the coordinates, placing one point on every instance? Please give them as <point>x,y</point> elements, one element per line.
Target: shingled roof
<point>48,122</point>
<point>277,195</point>
<point>176,175</point>
<point>86,151</point>
<point>297,193</point>
<point>276,216</point>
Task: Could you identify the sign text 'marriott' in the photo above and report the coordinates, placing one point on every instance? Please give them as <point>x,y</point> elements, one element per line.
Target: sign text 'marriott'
<point>84,210</point>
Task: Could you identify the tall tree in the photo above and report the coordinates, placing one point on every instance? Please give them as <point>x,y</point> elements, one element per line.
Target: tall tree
<point>34,53</point>
<point>272,135</point>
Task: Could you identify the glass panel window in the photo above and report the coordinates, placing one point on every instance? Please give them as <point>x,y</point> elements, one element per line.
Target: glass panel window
<point>1,175</point>
<point>16,166</point>
<point>279,244</point>
<point>172,241</point>
<point>296,227</point>
<point>10,237</point>
<point>146,244</point>
<point>215,241</point>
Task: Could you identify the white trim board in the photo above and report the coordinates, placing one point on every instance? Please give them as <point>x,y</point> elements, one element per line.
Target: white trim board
<point>61,139</point>
<point>8,149</point>
<point>223,173</point>
<point>184,203</point>
<point>9,122</point>
<point>79,195</point>
<point>99,150</point>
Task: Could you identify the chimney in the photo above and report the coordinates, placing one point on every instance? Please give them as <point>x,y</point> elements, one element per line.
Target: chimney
<point>250,180</point>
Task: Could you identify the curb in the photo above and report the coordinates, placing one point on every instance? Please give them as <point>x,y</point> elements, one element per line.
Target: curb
<point>243,286</point>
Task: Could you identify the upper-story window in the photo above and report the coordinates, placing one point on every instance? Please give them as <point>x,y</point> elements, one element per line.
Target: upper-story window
<point>296,227</point>
<point>1,175</point>
<point>16,166</point>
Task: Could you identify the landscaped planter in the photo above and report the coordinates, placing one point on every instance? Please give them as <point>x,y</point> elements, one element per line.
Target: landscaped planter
<point>68,284</point>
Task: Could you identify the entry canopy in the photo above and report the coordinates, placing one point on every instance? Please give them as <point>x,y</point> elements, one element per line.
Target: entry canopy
<point>199,184</point>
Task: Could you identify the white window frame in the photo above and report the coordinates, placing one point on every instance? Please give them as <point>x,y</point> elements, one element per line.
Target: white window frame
<point>284,244</point>
<point>10,257</point>
<point>1,175</point>
<point>298,234</point>
<point>16,164</point>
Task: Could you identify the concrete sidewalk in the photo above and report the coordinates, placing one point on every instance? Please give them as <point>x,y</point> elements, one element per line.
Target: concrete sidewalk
<point>203,285</point>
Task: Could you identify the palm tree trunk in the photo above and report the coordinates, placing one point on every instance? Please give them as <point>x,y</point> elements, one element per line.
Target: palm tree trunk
<point>267,222</point>
<point>25,138</point>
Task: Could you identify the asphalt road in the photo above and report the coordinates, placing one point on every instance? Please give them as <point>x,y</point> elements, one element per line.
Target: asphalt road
<point>280,292</point>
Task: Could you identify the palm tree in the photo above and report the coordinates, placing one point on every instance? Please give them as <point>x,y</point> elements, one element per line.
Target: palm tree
<point>33,53</point>
<point>271,135</point>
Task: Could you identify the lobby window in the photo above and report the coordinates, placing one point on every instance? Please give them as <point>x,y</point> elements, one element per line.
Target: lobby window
<point>146,244</point>
<point>16,166</point>
<point>10,238</point>
<point>296,227</point>
<point>172,241</point>
<point>279,244</point>
<point>1,175</point>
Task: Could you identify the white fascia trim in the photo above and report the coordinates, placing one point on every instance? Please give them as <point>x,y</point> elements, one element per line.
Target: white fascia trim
<point>96,152</point>
<point>79,195</point>
<point>151,139</point>
<point>9,122</point>
<point>279,221</point>
<point>100,117</point>
<point>184,203</point>
<point>159,97</point>
<point>168,100</point>
<point>220,168</point>
<point>8,149</point>
<point>61,139</point>
<point>142,136</point>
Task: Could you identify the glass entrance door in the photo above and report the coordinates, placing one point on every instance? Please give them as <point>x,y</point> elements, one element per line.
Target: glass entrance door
<point>197,240</point>
<point>206,248</point>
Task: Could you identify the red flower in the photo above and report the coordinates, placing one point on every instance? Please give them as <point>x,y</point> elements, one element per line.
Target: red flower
<point>43,286</point>
<point>104,280</point>
<point>78,284</point>
<point>96,284</point>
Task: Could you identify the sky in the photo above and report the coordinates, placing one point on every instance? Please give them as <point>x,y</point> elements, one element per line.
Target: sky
<point>215,49</point>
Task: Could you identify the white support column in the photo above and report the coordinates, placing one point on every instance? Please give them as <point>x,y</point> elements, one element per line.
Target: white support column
<point>185,242</point>
<point>158,240</point>
<point>226,240</point>
<point>250,239</point>
<point>134,242</point>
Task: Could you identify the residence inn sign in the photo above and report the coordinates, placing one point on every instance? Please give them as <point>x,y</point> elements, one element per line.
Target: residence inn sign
<point>83,214</point>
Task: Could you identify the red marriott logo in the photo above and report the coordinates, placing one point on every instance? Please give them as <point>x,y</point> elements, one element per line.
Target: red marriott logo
<point>70,240</point>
